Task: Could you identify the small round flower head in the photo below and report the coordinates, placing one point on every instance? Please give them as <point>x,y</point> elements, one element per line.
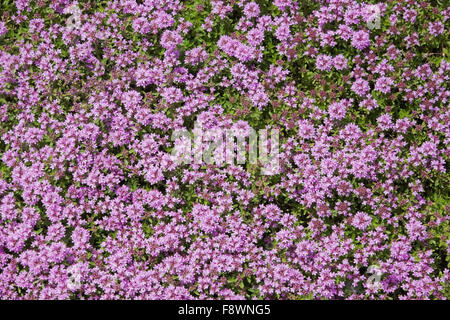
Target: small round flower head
<point>436,28</point>
<point>324,62</point>
<point>3,29</point>
<point>260,99</point>
<point>340,62</point>
<point>360,87</point>
<point>337,110</point>
<point>255,36</point>
<point>170,39</point>
<point>360,39</point>
<point>119,180</point>
<point>383,84</point>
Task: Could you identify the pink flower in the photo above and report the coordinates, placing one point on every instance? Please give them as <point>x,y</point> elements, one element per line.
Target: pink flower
<point>170,39</point>
<point>337,110</point>
<point>255,36</point>
<point>324,62</point>
<point>283,32</point>
<point>172,94</point>
<point>251,10</point>
<point>384,121</point>
<point>3,29</point>
<point>360,39</point>
<point>260,99</point>
<point>236,49</point>
<point>436,28</point>
<point>196,55</point>
<point>340,62</point>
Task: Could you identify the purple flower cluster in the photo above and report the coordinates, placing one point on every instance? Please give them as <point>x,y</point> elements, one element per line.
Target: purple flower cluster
<point>236,49</point>
<point>360,39</point>
<point>93,205</point>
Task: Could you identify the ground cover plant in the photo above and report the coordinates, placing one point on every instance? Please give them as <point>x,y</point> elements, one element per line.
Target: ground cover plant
<point>93,204</point>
